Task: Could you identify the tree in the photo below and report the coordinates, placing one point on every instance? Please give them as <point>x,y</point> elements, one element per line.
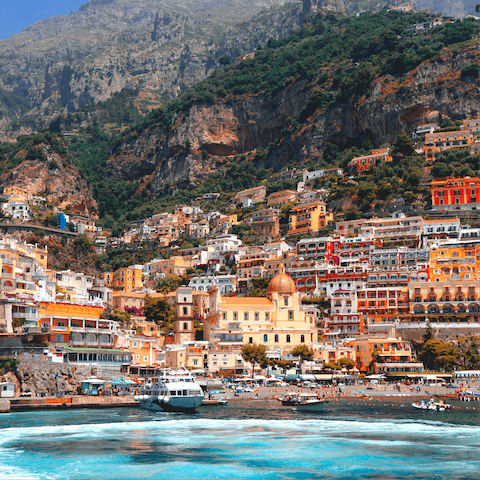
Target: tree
<point>254,354</point>
<point>304,353</point>
<point>437,355</point>
<point>169,284</point>
<point>158,310</point>
<point>348,363</point>
<point>403,146</point>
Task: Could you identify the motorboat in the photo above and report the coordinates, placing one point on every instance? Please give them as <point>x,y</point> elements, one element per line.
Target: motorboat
<point>304,402</point>
<point>175,391</point>
<point>432,405</point>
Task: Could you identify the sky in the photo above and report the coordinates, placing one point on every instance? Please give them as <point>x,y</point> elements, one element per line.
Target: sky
<point>15,15</point>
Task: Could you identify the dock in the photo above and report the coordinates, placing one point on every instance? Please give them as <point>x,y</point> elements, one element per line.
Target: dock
<point>67,402</point>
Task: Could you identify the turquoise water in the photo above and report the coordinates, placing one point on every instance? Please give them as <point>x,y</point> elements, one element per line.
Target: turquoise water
<point>257,440</point>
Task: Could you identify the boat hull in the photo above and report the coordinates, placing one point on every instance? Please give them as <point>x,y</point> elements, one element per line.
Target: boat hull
<point>314,406</point>
<point>181,404</point>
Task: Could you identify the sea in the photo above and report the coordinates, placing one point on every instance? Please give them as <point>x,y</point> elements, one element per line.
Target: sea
<point>247,439</point>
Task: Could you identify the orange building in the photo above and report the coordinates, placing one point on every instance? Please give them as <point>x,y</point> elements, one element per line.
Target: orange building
<point>456,193</point>
<point>127,279</point>
<point>75,324</point>
<point>438,141</point>
<point>308,218</point>
<point>362,164</point>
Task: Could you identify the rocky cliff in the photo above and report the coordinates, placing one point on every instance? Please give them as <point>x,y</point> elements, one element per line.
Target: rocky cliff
<point>156,47</point>
<point>48,174</point>
<point>433,91</point>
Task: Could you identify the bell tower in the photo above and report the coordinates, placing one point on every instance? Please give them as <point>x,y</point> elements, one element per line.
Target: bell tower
<point>184,327</point>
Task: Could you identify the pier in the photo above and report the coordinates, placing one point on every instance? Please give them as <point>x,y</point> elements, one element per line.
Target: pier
<point>67,402</point>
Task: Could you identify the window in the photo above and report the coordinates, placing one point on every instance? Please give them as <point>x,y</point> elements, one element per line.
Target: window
<point>185,310</point>
<point>288,338</point>
<point>276,338</point>
<point>290,314</point>
<point>302,338</point>
<point>267,316</point>
<point>235,315</point>
<point>256,315</point>
<point>265,338</point>
<point>285,301</point>
<point>250,339</point>
<point>245,315</point>
<point>185,326</point>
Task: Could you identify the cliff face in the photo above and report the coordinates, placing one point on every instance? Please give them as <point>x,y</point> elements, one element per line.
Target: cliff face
<point>61,184</point>
<point>430,93</point>
<point>156,47</point>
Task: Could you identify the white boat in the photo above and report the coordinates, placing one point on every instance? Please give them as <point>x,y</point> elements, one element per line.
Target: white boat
<point>432,405</point>
<point>174,392</point>
<point>304,402</point>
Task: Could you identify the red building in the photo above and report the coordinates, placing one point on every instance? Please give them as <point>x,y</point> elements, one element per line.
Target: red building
<point>456,193</point>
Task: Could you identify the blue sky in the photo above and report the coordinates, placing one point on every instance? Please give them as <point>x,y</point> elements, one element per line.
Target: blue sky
<point>15,15</point>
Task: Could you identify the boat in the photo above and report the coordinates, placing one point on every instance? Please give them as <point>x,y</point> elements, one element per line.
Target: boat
<point>432,405</point>
<point>304,402</point>
<point>173,392</point>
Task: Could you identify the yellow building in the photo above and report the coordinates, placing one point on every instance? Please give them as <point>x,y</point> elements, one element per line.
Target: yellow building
<point>308,218</point>
<point>277,320</point>
<point>180,356</point>
<point>127,279</point>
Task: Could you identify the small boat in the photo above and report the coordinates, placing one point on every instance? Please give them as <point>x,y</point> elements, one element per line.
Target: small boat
<point>304,402</point>
<point>174,392</point>
<point>432,405</point>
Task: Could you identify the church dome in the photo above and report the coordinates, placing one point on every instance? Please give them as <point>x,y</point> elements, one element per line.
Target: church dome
<point>282,283</point>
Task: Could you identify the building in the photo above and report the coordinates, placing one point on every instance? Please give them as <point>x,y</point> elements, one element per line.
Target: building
<point>462,193</point>
<point>265,224</point>
<point>255,194</point>
<point>127,279</point>
<point>308,218</point>
<point>276,321</point>
<point>438,141</point>
<point>367,162</point>
<point>184,325</point>
<point>396,228</point>
<point>227,284</point>
<point>281,198</point>
<point>443,228</point>
<point>383,355</point>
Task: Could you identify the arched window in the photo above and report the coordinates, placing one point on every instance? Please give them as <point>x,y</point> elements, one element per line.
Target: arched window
<point>185,326</point>
<point>276,338</point>
<point>265,338</point>
<point>185,310</point>
<point>288,338</point>
<point>302,338</point>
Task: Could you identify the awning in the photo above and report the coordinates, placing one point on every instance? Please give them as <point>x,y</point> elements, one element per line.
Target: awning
<point>378,377</point>
<point>325,376</point>
<point>291,377</point>
<point>308,377</point>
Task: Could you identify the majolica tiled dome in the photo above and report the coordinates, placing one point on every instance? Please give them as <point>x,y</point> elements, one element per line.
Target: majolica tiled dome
<point>282,283</point>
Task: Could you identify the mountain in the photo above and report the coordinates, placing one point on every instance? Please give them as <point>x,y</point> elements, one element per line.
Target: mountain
<point>334,82</point>
<point>154,47</point>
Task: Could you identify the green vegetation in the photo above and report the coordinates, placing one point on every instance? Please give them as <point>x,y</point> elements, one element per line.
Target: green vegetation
<point>254,354</point>
<point>158,310</point>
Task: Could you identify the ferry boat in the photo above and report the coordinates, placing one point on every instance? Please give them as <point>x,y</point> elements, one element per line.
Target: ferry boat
<point>173,392</point>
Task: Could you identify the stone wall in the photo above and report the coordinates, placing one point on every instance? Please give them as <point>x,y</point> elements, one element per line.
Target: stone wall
<point>40,376</point>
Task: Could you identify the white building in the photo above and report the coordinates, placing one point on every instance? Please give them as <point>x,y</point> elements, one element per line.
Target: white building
<point>225,283</point>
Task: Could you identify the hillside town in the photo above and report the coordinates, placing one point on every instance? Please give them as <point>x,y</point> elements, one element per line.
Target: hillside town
<point>356,292</point>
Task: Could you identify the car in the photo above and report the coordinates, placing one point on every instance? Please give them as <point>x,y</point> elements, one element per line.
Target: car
<point>26,393</point>
<point>248,389</point>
